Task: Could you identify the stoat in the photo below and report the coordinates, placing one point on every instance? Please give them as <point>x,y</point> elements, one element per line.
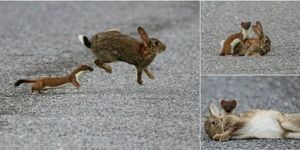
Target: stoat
<point>234,39</point>
<point>228,106</point>
<point>45,83</point>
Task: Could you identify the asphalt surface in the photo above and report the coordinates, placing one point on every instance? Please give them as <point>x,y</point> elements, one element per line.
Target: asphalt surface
<point>280,21</point>
<point>278,93</point>
<point>109,111</point>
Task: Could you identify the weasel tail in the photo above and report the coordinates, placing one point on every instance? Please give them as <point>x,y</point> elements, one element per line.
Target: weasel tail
<point>84,41</point>
<point>24,81</point>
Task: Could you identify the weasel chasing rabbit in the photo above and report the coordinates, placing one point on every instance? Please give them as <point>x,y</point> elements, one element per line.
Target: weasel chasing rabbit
<point>252,124</point>
<point>45,83</point>
<point>112,45</point>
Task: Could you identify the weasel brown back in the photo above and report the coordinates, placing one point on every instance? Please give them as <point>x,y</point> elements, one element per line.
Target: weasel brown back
<point>234,39</point>
<point>45,83</point>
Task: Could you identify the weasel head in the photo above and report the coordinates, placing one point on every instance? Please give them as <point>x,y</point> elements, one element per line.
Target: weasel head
<point>86,68</point>
<point>228,105</point>
<point>246,25</point>
<point>82,70</point>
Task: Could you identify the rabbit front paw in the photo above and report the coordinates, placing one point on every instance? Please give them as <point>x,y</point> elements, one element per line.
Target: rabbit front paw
<point>151,76</point>
<point>221,137</point>
<point>102,65</point>
<point>108,69</point>
<point>149,73</point>
<point>140,81</point>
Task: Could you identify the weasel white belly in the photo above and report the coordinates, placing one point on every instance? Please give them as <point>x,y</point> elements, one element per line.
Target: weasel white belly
<point>233,44</point>
<point>263,125</point>
<point>79,74</point>
<point>246,34</point>
<point>57,87</point>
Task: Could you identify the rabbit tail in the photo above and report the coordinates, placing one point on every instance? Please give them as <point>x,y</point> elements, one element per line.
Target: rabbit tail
<point>84,41</point>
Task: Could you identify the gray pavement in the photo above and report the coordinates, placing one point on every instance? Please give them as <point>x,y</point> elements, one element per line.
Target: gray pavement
<point>280,21</point>
<point>109,111</point>
<point>279,93</point>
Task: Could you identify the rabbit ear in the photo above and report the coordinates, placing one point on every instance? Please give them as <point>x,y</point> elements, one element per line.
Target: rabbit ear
<point>259,26</point>
<point>257,31</point>
<point>214,111</point>
<point>143,35</point>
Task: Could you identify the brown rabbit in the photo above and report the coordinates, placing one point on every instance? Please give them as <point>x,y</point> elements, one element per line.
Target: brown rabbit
<point>258,46</point>
<point>252,124</point>
<point>112,45</point>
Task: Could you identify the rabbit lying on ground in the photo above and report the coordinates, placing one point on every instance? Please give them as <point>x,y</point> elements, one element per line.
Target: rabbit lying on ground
<point>252,124</point>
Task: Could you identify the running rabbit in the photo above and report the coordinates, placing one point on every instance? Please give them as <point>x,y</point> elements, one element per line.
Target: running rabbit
<point>252,124</point>
<point>112,45</point>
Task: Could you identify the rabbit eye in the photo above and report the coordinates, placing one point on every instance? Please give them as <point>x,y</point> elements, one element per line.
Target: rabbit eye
<point>156,43</point>
<point>213,122</point>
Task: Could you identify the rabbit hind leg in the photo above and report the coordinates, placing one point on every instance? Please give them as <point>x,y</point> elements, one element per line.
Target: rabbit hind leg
<point>149,73</point>
<point>252,53</point>
<point>291,122</point>
<point>102,64</point>
<point>293,135</point>
<point>255,51</point>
